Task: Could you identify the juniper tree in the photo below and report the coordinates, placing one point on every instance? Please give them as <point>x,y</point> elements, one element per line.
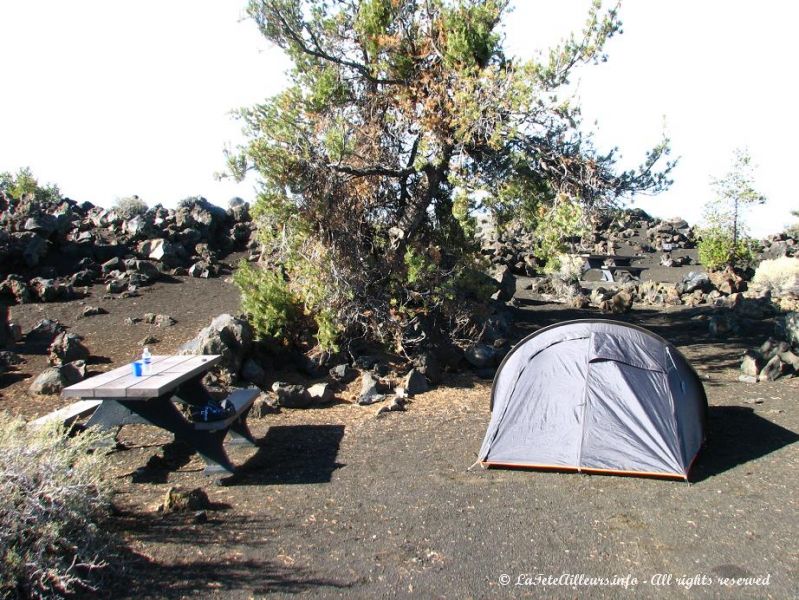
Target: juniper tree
<point>403,118</point>
<point>724,240</point>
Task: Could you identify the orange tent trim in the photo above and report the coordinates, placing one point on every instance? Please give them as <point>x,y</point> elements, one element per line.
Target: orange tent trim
<point>573,469</point>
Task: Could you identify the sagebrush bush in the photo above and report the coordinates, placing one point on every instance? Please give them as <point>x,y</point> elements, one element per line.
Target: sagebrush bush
<point>130,206</point>
<point>780,276</point>
<point>53,495</point>
<point>571,267</point>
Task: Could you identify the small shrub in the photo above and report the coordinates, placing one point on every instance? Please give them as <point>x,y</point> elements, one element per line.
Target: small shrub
<point>717,249</point>
<point>53,493</point>
<point>24,186</point>
<point>267,300</point>
<point>780,276</point>
<point>130,206</point>
<point>565,219</point>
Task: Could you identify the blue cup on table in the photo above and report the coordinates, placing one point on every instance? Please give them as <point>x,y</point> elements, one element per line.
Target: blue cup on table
<point>138,368</point>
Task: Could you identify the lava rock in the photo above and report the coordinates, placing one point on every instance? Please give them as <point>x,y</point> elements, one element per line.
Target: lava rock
<point>415,383</point>
<point>176,500</point>
<point>369,390</point>
<point>480,356</point>
<point>159,320</point>
<point>91,311</point>
<point>16,287</point>
<point>67,347</point>
<point>787,327</point>
<point>200,269</point>
<point>427,364</point>
<point>343,373</point>
<point>506,283</point>
<point>773,370</point>
<point>696,281</point>
<point>54,379</point>
<point>83,278</point>
<point>46,328</point>
<point>728,281</point>
<point>291,396</point>
<point>751,364</point>
<point>253,372</point>
<point>321,393</point>
<point>226,335</point>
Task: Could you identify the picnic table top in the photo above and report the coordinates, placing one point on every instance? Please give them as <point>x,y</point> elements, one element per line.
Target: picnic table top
<point>166,373</point>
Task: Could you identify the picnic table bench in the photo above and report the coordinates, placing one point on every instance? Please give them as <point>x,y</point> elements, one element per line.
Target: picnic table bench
<point>609,264</point>
<point>126,399</point>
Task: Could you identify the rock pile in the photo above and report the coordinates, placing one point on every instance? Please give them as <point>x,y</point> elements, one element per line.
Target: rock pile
<point>245,359</point>
<point>514,245</point>
<point>49,249</point>
<point>779,245</point>
<point>777,356</point>
<point>671,234</point>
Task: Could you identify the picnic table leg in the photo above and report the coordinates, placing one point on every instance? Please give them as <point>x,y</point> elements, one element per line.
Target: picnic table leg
<point>240,431</point>
<point>162,413</point>
<point>110,415</point>
<point>193,392</point>
<point>607,275</point>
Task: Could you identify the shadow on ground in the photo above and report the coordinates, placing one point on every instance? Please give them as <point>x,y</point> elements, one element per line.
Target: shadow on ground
<point>293,454</point>
<point>203,571</point>
<point>737,435</point>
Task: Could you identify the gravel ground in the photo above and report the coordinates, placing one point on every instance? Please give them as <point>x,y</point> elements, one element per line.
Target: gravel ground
<point>337,503</point>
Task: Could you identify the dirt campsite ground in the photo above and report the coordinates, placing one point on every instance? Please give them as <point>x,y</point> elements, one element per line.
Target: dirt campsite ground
<point>338,503</point>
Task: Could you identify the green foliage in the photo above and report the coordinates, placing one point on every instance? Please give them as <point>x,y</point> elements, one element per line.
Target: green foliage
<point>725,241</point>
<point>718,249</point>
<point>326,89</point>
<point>130,206</point>
<point>471,282</point>
<point>266,299</point>
<point>471,38</point>
<point>401,121</point>
<point>54,492</point>
<point>24,186</point>
<point>462,211</point>
<point>419,266</point>
<point>554,226</point>
<point>374,17</point>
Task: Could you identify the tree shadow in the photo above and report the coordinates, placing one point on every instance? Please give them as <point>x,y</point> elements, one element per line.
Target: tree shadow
<point>11,377</point>
<point>293,454</point>
<point>173,456</point>
<point>98,360</point>
<point>737,435</point>
<point>203,567</point>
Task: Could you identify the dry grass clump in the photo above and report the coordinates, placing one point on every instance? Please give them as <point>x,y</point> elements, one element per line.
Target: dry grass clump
<point>780,276</point>
<point>53,495</point>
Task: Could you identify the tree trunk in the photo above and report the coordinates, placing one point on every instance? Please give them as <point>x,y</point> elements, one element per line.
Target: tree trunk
<point>5,331</point>
<point>734,252</point>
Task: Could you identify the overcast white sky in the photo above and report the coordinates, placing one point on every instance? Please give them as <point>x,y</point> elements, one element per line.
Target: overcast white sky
<point>108,99</point>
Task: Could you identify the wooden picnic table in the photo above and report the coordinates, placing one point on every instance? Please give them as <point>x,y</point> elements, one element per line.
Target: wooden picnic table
<point>150,398</point>
<point>609,264</point>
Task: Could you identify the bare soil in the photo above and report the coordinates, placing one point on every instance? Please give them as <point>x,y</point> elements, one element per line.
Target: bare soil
<point>336,502</point>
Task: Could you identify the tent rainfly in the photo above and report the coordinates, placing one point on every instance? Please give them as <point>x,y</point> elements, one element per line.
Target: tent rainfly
<point>596,396</point>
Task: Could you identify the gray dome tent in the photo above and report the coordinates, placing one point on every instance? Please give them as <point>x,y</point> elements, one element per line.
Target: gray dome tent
<point>596,396</point>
